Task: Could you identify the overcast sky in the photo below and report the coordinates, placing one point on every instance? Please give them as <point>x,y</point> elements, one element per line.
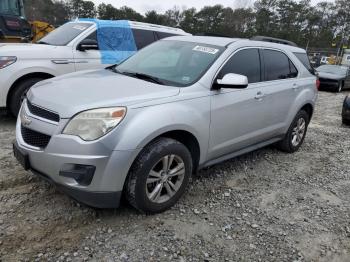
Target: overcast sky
<point>143,6</point>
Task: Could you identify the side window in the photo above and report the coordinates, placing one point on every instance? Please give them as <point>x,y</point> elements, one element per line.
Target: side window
<point>116,39</point>
<point>162,35</point>
<point>245,62</point>
<point>92,36</point>
<point>143,38</point>
<point>278,66</point>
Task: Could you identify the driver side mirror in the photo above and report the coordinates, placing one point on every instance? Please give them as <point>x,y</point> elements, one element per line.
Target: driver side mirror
<point>232,81</point>
<point>87,44</point>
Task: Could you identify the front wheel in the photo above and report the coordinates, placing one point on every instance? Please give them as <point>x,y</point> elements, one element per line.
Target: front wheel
<point>296,133</point>
<point>19,94</point>
<point>159,176</point>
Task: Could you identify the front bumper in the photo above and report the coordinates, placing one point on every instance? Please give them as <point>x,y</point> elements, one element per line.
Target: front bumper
<point>93,199</point>
<point>110,167</point>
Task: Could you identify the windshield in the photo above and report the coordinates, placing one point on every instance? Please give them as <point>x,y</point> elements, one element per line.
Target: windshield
<point>10,7</point>
<point>170,62</point>
<point>65,34</point>
<point>333,69</point>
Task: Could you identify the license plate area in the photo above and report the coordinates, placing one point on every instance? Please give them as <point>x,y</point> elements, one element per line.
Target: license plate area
<point>21,157</point>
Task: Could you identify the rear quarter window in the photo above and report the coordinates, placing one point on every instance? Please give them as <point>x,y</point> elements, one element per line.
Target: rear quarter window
<point>304,59</point>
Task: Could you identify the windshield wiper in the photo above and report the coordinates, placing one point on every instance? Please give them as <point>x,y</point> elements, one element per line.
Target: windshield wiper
<point>141,76</point>
<point>113,68</point>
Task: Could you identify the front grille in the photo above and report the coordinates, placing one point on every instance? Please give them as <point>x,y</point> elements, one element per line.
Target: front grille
<point>35,138</point>
<point>41,112</point>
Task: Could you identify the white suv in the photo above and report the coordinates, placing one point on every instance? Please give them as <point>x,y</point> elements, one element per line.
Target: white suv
<point>79,45</point>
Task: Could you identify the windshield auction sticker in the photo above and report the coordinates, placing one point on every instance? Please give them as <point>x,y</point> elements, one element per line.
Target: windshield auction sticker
<point>205,49</point>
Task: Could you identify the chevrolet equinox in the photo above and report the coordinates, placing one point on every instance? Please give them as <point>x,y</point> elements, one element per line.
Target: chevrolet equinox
<point>143,127</point>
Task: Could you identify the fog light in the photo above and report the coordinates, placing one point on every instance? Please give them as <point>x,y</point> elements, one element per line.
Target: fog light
<point>83,174</point>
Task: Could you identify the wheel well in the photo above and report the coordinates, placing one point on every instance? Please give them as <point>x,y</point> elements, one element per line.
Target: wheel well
<point>308,109</point>
<point>25,77</point>
<point>189,140</point>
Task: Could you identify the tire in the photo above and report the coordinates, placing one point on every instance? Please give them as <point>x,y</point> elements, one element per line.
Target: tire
<point>289,144</point>
<point>346,122</point>
<point>19,94</point>
<point>149,166</point>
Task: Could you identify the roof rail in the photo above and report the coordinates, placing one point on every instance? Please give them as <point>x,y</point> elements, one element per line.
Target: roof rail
<point>273,40</point>
<point>156,26</point>
<point>211,34</point>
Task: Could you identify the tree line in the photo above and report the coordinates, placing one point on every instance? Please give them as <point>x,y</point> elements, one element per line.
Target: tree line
<point>326,24</point>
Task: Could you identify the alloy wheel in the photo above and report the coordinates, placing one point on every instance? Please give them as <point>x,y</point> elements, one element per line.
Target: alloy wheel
<point>165,179</point>
<point>298,132</point>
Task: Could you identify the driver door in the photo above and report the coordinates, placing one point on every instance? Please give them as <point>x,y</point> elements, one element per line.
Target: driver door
<point>239,116</point>
<point>88,59</point>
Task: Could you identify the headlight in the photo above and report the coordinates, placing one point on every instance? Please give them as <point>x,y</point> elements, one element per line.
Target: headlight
<point>6,61</point>
<point>93,124</point>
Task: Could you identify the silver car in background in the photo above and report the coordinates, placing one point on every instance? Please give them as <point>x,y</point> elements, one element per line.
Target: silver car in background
<point>143,127</point>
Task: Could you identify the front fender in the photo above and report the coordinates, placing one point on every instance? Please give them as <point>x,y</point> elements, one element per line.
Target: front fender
<point>142,125</point>
<point>10,75</point>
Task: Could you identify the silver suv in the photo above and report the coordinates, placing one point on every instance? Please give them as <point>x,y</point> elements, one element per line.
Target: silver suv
<point>143,127</point>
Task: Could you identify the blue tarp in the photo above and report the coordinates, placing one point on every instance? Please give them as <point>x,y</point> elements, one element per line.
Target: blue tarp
<point>115,39</point>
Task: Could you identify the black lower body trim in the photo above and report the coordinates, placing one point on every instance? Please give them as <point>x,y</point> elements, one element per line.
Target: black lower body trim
<point>92,199</point>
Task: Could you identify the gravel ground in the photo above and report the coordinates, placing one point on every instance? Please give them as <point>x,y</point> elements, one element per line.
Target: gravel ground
<point>263,206</point>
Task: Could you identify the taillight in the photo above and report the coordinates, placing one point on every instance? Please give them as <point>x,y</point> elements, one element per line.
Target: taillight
<point>318,83</point>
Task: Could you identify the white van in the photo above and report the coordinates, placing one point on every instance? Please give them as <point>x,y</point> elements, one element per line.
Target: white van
<point>79,45</point>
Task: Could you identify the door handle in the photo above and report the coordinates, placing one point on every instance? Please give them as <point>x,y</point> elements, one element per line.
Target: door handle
<point>62,62</point>
<point>259,96</point>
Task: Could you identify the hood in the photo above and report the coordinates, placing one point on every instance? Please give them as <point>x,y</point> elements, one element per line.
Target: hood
<point>73,93</point>
<point>35,51</point>
<point>330,76</point>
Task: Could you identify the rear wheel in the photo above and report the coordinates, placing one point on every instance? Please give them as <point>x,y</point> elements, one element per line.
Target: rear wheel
<point>19,94</point>
<point>159,176</point>
<point>296,133</point>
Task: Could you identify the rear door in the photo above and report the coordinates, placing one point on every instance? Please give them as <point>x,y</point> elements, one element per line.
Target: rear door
<point>281,87</point>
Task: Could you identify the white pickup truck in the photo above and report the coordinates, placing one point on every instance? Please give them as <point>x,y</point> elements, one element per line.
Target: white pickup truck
<point>79,45</point>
